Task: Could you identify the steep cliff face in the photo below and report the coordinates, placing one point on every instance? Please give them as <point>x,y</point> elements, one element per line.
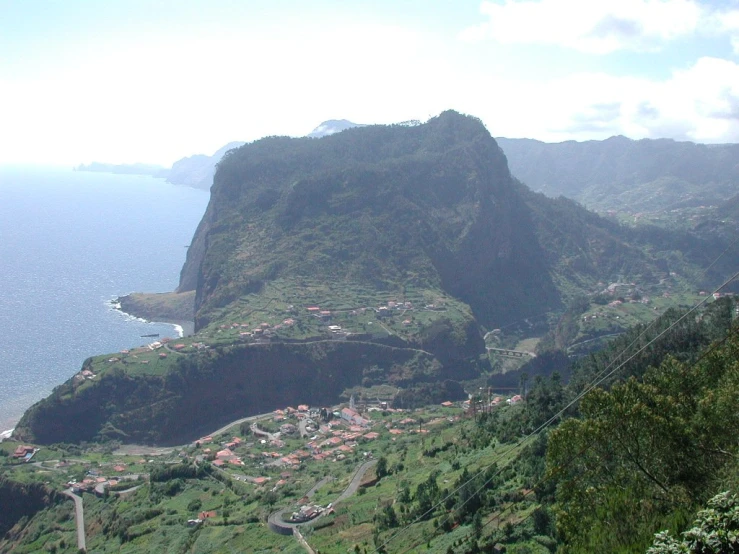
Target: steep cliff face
<point>206,392</point>
<point>429,205</point>
<point>19,500</point>
<point>427,217</point>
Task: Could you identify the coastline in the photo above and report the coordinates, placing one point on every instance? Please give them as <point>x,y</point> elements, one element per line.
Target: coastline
<point>183,328</point>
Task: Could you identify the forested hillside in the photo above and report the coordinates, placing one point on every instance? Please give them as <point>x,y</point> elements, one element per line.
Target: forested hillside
<point>627,175</point>
<point>399,247</point>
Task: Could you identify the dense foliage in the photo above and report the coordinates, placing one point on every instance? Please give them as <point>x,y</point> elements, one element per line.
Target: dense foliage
<point>648,451</point>
<point>620,173</point>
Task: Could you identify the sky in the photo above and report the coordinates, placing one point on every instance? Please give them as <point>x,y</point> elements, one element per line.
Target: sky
<point>155,81</point>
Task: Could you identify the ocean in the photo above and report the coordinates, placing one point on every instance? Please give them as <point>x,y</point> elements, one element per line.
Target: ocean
<point>71,242</point>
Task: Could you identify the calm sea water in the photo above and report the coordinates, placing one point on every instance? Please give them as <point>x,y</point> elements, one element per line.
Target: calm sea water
<point>70,242</point>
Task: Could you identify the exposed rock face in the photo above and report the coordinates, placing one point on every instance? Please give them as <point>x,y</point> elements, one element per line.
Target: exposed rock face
<point>369,213</point>
<point>22,500</point>
<point>432,204</point>
<point>206,392</point>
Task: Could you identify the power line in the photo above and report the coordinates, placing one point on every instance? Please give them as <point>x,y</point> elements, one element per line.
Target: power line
<point>599,378</point>
<point>587,389</point>
<point>561,467</point>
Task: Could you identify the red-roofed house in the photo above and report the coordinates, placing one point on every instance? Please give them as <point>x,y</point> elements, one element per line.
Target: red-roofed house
<point>21,451</point>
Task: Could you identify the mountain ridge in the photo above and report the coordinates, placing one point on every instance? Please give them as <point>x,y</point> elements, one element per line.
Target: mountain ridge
<point>624,174</point>
<point>398,244</point>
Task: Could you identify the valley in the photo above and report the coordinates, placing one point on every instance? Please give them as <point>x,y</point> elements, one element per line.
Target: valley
<point>402,348</point>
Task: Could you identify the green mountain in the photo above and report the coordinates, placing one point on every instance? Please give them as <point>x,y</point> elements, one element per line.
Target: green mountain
<point>379,208</point>
<point>635,458</point>
<point>627,175</point>
<point>376,256</point>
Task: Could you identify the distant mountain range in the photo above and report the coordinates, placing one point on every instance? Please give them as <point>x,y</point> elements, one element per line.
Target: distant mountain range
<point>377,255</point>
<point>197,171</point>
<point>621,174</point>
<point>613,175</point>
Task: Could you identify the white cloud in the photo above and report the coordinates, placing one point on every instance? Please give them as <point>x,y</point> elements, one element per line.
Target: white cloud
<point>597,27</point>
<point>700,103</point>
<point>161,97</point>
<point>728,22</point>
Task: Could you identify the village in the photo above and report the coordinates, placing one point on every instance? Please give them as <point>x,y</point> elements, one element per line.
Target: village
<point>267,451</point>
<point>294,466</point>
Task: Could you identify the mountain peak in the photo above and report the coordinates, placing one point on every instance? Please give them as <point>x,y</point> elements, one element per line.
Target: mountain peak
<point>332,126</point>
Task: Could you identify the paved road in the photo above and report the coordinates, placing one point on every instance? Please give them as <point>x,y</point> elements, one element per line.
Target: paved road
<point>276,517</point>
<point>354,485</point>
<point>239,422</point>
<point>79,517</point>
<point>141,450</point>
<point>262,433</point>
<point>510,352</point>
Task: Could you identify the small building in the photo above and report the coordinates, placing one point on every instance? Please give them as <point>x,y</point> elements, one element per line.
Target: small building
<point>25,452</point>
<point>352,416</point>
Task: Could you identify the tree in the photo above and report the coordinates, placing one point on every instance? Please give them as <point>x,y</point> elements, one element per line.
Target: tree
<point>715,531</point>
<point>381,467</point>
<point>645,450</point>
<point>477,526</point>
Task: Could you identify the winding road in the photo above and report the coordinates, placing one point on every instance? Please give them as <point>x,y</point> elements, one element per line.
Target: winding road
<point>275,518</point>
<point>79,517</point>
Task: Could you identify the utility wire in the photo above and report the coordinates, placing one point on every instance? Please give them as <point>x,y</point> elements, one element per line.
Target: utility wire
<point>498,516</point>
<point>600,377</point>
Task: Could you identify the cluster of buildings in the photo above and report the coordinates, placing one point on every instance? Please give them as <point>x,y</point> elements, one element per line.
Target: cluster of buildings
<point>96,483</point>
<point>308,512</point>
<point>492,402</point>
